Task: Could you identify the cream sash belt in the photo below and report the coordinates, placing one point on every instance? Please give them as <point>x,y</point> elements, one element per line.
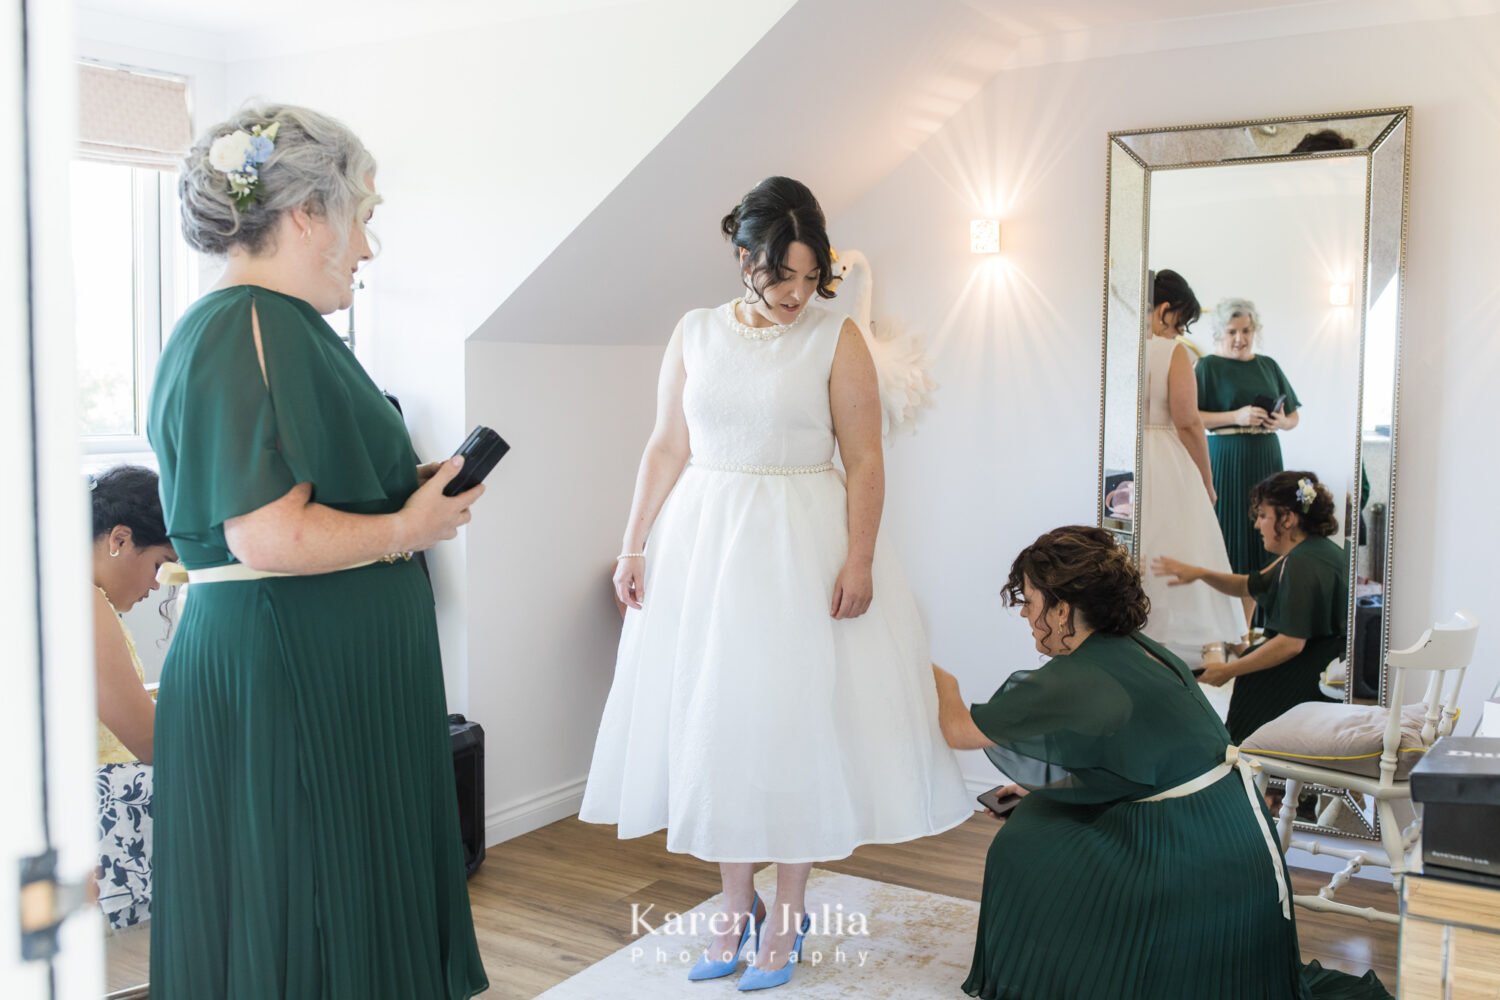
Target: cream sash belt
<point>175,575</point>
<point>1234,762</point>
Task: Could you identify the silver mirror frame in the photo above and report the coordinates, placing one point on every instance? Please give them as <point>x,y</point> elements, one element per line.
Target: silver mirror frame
<point>1383,138</point>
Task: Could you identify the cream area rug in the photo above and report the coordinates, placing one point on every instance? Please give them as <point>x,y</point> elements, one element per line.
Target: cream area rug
<point>870,940</point>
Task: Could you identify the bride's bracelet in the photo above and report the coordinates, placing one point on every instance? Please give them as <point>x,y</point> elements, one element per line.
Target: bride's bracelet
<point>630,555</point>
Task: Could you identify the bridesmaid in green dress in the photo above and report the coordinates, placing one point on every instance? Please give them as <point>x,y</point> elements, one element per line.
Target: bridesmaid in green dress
<point>1243,447</point>
<point>307,842</point>
<point>1140,865</point>
<point>1304,594</point>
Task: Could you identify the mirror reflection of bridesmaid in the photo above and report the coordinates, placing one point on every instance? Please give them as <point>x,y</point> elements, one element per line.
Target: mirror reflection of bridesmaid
<point>1244,399</point>
<point>1304,594</point>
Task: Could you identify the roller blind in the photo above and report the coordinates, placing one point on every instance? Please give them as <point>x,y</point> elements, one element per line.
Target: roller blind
<point>131,117</point>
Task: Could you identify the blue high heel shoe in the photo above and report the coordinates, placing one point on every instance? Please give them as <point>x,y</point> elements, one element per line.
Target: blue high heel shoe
<point>707,968</point>
<point>764,979</point>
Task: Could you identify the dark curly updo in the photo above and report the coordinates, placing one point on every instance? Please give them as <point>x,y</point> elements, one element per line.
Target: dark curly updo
<point>127,495</point>
<point>775,214</point>
<point>1091,571</point>
<point>1315,514</point>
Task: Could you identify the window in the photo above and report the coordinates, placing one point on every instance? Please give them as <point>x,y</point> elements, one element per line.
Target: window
<point>133,276</point>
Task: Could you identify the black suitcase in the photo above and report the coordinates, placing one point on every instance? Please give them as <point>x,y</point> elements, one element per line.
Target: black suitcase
<point>1369,624</point>
<point>468,773</point>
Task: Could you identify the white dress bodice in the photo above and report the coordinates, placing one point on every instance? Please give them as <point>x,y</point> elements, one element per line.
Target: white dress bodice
<point>756,398</point>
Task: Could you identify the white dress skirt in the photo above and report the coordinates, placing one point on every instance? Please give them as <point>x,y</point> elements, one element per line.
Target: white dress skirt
<point>743,718</point>
<point>1178,520</point>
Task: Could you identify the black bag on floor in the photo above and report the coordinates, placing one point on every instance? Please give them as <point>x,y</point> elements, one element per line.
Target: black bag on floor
<point>468,772</point>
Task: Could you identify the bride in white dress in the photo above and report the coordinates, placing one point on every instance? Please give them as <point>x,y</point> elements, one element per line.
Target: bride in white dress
<point>1176,497</point>
<point>773,697</point>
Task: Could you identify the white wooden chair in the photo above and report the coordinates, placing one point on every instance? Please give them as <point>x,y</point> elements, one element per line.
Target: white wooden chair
<point>1445,650</point>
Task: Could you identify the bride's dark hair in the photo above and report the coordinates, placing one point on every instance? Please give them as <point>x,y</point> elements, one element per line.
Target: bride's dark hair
<point>775,214</point>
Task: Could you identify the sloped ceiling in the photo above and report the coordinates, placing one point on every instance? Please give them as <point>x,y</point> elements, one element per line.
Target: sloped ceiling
<point>837,94</point>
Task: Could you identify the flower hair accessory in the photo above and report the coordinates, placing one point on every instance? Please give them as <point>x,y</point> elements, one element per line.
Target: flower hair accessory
<point>239,156</point>
<point>1307,493</point>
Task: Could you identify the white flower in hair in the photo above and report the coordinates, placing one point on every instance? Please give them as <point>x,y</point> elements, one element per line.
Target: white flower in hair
<point>1306,493</point>
<point>229,152</point>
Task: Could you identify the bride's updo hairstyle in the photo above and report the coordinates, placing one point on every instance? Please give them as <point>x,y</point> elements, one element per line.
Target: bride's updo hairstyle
<point>1301,495</point>
<point>1091,571</point>
<point>775,214</point>
<point>1172,288</point>
<point>317,164</point>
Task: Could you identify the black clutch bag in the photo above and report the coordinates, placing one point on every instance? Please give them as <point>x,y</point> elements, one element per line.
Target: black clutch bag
<point>481,451</point>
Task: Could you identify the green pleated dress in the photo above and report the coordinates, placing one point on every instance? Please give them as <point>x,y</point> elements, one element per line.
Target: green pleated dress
<point>306,828</point>
<point>1305,595</point>
<point>1240,461</point>
<point>1089,894</point>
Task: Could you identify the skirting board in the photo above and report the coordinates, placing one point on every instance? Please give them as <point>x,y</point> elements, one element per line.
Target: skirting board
<point>533,813</point>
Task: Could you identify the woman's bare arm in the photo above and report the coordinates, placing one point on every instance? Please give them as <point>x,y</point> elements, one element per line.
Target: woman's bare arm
<point>121,700</point>
<point>666,455</point>
<point>854,397</point>
<point>954,718</point>
<point>296,535</point>
<point>1182,397</point>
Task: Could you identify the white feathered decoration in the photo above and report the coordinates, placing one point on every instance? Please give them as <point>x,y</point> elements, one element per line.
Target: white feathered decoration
<point>900,363</point>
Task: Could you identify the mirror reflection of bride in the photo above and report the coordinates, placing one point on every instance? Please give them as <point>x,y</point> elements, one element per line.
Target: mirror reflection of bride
<point>1177,491</point>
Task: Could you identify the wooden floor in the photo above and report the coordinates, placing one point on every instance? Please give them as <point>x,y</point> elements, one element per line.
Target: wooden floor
<point>555,901</point>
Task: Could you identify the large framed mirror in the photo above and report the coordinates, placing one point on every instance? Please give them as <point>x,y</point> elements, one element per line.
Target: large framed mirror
<point>1290,232</point>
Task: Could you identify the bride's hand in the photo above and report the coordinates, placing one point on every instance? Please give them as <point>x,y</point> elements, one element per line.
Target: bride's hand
<point>853,591</point>
<point>630,581</point>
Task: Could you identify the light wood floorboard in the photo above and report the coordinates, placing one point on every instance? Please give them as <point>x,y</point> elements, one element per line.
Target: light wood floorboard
<point>553,902</point>
<point>557,900</point>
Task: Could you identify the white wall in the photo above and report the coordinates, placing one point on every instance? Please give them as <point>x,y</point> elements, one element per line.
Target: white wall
<point>1012,446</point>
<point>493,140</point>
<point>543,623</point>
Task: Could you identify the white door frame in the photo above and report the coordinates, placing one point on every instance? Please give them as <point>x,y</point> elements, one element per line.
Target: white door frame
<point>47,721</point>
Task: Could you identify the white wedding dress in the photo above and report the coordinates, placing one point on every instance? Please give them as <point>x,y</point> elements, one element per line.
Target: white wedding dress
<point>743,718</point>
<point>1178,520</point>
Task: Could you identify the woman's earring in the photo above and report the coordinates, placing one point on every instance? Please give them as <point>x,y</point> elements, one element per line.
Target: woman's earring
<point>114,553</point>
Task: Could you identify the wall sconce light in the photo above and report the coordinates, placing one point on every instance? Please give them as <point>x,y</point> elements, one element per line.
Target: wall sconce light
<point>1340,294</point>
<point>984,236</point>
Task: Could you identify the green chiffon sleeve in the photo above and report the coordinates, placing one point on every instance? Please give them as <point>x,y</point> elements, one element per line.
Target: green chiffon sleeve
<point>1284,387</point>
<point>230,440</point>
<point>1057,730</point>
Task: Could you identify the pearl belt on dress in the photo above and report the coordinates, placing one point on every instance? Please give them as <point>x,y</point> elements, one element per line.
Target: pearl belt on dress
<point>765,470</point>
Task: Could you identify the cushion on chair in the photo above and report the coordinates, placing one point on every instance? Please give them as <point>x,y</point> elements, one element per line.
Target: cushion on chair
<point>1348,738</point>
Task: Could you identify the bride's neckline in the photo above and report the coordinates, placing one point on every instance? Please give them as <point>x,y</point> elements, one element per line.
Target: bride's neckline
<point>732,312</point>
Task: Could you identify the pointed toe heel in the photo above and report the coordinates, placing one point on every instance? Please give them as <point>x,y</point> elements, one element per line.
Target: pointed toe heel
<point>707,968</point>
<point>765,979</point>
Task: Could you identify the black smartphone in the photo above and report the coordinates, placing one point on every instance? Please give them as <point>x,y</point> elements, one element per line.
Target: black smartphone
<point>481,451</point>
<point>1199,671</point>
<point>1268,404</point>
<point>995,803</point>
